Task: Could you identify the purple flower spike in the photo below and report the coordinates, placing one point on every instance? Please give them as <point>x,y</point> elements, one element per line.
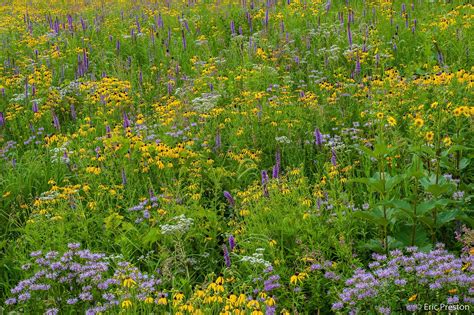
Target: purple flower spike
<point>231,242</point>
<point>318,137</point>
<point>229,198</point>
<point>226,256</point>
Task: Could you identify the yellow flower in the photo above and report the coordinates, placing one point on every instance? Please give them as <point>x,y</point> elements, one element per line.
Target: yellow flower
<point>297,277</point>
<point>429,136</point>
<point>126,304</point>
<point>270,301</point>
<point>457,111</point>
<point>419,122</point>
<point>380,115</point>
<point>129,282</point>
<point>219,280</point>
<point>149,300</point>
<point>162,300</point>
<point>465,266</point>
<point>452,291</point>
<point>413,297</point>
<point>447,141</point>
<point>391,121</point>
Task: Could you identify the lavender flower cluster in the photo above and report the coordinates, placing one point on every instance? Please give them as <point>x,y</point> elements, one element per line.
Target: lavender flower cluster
<point>83,277</point>
<point>409,279</point>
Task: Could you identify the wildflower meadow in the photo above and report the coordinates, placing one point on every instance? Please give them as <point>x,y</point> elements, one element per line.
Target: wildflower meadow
<point>236,157</point>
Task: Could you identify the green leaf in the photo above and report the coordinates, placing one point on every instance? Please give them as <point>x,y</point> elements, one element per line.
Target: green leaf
<point>371,217</point>
<point>425,207</point>
<point>404,235</point>
<point>391,182</point>
<point>446,216</point>
<point>464,163</point>
<point>152,236</point>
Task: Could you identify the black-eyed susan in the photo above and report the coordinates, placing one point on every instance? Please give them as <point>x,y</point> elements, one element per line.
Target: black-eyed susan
<point>429,136</point>
<point>418,122</point>
<point>391,121</point>
<point>126,303</point>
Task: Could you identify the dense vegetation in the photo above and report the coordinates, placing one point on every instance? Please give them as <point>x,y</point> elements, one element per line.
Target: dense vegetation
<point>236,157</point>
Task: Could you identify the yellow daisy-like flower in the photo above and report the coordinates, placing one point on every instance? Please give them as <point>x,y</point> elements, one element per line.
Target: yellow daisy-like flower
<point>297,277</point>
<point>391,121</point>
<point>149,300</point>
<point>126,304</point>
<point>447,141</point>
<point>429,136</point>
<point>419,122</point>
<point>380,115</point>
<point>457,111</point>
<point>129,282</point>
<point>412,298</point>
<point>162,301</point>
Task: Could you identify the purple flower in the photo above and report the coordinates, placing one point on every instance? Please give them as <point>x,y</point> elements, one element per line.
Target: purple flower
<point>72,301</point>
<point>10,301</point>
<point>226,256</point>
<point>318,137</point>
<point>333,157</point>
<point>24,296</point>
<point>384,310</point>
<point>51,311</point>
<point>315,267</point>
<point>412,307</point>
<point>337,306</point>
<point>229,198</point>
<point>231,242</point>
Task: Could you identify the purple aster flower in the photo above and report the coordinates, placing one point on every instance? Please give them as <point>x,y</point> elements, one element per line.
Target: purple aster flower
<point>10,301</point>
<point>412,307</point>
<point>51,311</point>
<point>337,306</point>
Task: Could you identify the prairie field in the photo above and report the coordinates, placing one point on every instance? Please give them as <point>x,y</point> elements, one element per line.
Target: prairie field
<point>236,157</point>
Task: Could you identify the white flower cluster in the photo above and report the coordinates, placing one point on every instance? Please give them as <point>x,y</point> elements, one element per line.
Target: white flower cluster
<point>182,225</point>
<point>61,154</point>
<point>48,195</point>
<point>256,258</point>
<point>283,139</point>
<point>206,102</point>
